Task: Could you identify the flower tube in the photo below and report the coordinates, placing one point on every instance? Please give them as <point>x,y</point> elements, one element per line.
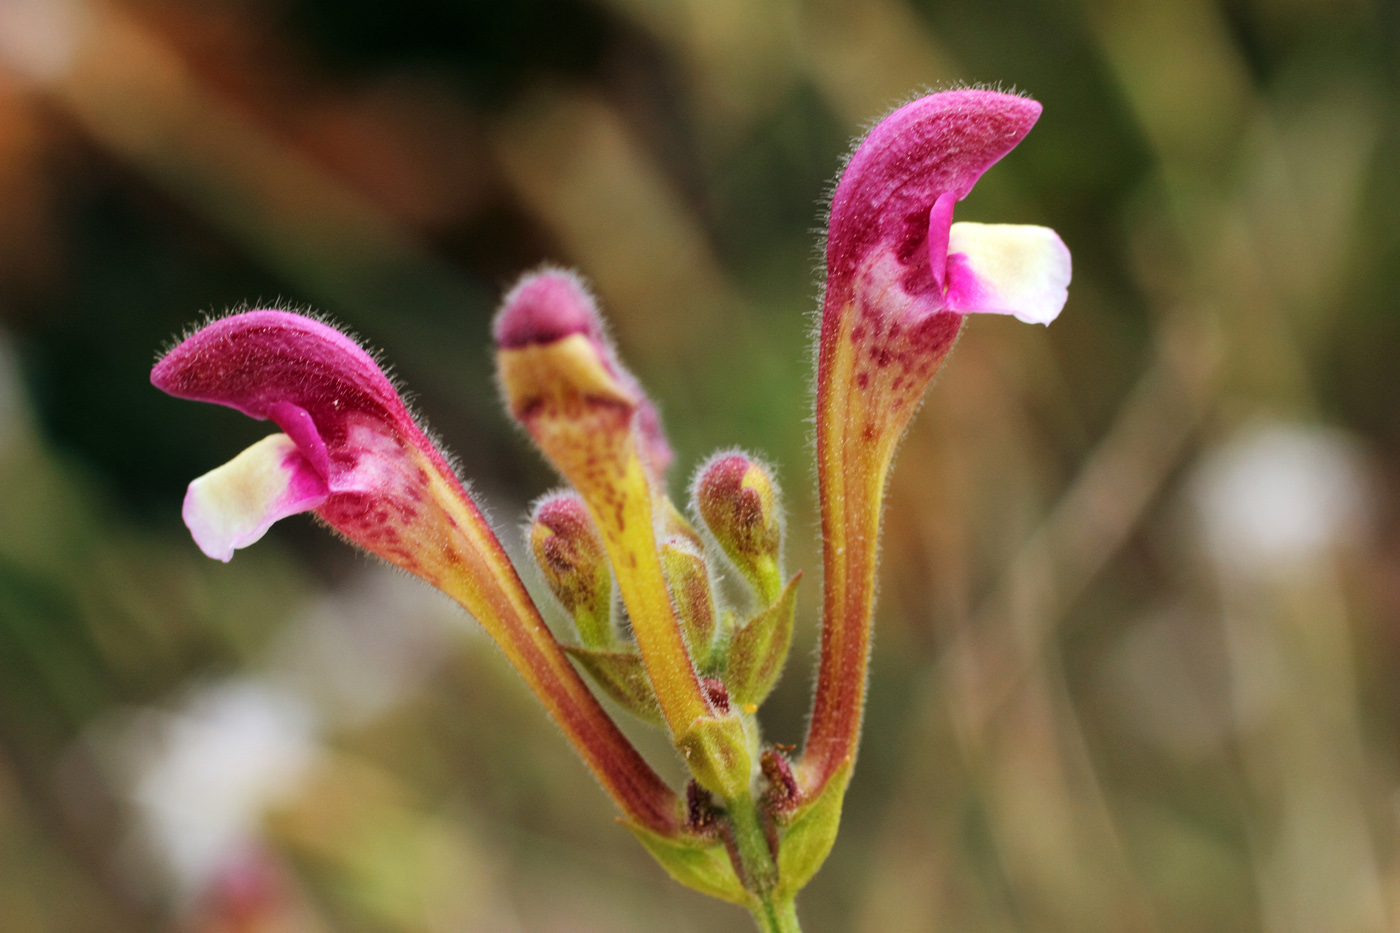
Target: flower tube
<point>901,276</point>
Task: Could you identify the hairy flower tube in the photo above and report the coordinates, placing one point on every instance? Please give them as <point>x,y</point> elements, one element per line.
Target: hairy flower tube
<point>692,657</point>
<point>900,278</point>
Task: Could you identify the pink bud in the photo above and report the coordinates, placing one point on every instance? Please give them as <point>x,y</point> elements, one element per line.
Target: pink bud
<point>544,307</point>
<point>738,501</point>
<point>552,305</point>
<point>571,555</point>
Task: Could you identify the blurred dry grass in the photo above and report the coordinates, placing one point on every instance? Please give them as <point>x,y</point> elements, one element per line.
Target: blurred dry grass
<point>1139,627</point>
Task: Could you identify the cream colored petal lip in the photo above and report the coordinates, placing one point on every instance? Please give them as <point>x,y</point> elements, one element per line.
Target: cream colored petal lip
<point>232,506</point>
<point>1015,269</point>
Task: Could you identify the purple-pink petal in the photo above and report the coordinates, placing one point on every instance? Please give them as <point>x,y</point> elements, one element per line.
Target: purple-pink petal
<point>552,304</point>
<point>544,307</point>
<point>934,146</point>
<point>307,377</point>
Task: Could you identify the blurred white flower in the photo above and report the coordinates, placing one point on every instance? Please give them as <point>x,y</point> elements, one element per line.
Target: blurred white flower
<point>201,778</point>
<point>1277,496</point>
<point>204,776</point>
<point>39,38</point>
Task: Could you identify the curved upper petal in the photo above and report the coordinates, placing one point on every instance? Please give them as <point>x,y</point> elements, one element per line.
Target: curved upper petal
<point>388,487</point>
<point>312,380</point>
<point>1015,269</point>
<point>940,144</point>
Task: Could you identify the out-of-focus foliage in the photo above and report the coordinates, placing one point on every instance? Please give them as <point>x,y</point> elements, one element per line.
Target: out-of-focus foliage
<point>1139,633</point>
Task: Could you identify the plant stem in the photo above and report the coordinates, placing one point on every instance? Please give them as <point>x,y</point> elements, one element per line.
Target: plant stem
<point>775,917</point>
<point>760,871</point>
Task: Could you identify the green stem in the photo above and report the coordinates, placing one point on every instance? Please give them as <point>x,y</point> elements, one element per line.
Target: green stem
<point>774,917</point>
<point>760,871</point>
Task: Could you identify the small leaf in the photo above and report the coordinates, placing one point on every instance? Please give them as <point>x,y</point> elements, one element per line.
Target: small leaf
<point>759,649</point>
<point>700,864</point>
<point>623,677</point>
<point>809,835</point>
<point>688,579</point>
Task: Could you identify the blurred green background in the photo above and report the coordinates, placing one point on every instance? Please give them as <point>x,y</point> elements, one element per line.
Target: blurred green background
<point>1139,626</point>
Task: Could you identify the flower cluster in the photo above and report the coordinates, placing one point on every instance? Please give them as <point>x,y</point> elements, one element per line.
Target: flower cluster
<point>752,826</point>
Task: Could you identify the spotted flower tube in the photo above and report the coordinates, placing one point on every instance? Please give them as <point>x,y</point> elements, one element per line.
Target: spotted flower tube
<point>900,279</point>
<point>633,578</point>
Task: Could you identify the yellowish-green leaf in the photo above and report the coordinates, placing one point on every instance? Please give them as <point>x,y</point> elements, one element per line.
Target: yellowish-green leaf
<point>701,865</point>
<point>760,648</point>
<point>623,677</point>
<point>805,842</point>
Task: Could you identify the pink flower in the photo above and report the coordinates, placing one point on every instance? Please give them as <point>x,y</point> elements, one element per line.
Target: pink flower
<point>901,276</point>
<point>350,451</point>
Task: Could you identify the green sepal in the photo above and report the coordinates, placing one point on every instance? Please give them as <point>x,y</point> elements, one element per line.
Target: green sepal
<point>623,677</point>
<point>759,649</point>
<point>717,752</point>
<point>700,864</point>
<point>810,831</point>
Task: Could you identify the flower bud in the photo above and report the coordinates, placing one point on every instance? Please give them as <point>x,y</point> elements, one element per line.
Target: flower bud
<point>782,792</point>
<point>688,579</point>
<point>556,362</point>
<point>569,551</point>
<point>562,381</point>
<point>738,501</point>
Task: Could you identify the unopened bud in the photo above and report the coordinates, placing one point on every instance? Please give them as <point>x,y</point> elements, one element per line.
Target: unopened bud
<point>738,501</point>
<point>569,551</point>
<point>716,693</point>
<point>782,791</point>
<point>552,353</point>
<point>688,579</point>
<point>561,380</point>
